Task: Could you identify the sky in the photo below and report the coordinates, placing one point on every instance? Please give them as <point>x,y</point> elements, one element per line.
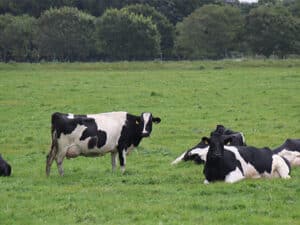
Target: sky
<point>248,1</point>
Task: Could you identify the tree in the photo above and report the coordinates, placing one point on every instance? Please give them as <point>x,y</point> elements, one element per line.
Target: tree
<point>18,39</point>
<point>174,10</point>
<point>209,32</point>
<point>271,30</point>
<point>122,35</point>
<point>65,34</point>
<point>164,27</point>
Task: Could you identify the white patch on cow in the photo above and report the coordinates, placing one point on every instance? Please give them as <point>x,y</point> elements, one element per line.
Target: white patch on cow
<point>202,152</point>
<point>280,167</point>
<point>206,181</point>
<point>234,176</point>
<point>146,117</point>
<point>248,169</point>
<point>70,116</point>
<point>243,137</point>
<point>124,156</point>
<point>112,124</point>
<point>292,156</point>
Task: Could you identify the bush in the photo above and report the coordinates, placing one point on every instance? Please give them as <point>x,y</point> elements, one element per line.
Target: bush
<point>17,38</point>
<point>65,34</point>
<point>165,28</point>
<point>122,35</point>
<point>209,32</point>
<point>271,30</point>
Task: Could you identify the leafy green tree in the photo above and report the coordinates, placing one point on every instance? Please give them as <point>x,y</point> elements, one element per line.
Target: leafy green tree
<point>5,20</point>
<point>17,38</point>
<point>66,34</point>
<point>271,30</point>
<point>122,35</point>
<point>32,7</point>
<point>174,10</point>
<point>293,6</point>
<point>165,28</point>
<point>209,32</point>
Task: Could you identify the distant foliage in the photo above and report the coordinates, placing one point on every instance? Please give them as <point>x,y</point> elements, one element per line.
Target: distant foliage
<point>66,30</point>
<point>17,38</point>
<point>271,30</point>
<point>65,34</point>
<point>209,32</point>
<point>122,35</point>
<point>165,28</point>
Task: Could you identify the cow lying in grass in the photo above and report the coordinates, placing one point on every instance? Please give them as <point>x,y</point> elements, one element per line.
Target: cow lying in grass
<point>198,153</point>
<point>290,150</point>
<point>234,163</point>
<point>5,168</point>
<point>97,134</point>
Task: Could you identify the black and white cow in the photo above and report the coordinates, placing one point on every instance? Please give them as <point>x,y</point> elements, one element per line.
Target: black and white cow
<point>198,153</point>
<point>290,150</point>
<point>5,168</point>
<point>234,163</point>
<point>97,134</point>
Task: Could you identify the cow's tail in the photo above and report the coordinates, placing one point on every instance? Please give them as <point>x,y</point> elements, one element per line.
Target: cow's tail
<point>54,147</point>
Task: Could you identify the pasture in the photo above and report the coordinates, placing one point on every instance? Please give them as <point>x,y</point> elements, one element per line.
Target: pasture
<point>260,98</point>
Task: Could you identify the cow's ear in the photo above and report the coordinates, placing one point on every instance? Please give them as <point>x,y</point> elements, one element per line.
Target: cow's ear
<point>205,140</point>
<point>156,119</point>
<point>227,140</point>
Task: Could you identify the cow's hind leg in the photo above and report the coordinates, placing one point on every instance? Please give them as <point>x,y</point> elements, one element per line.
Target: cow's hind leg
<point>59,161</point>
<point>50,157</point>
<point>280,167</point>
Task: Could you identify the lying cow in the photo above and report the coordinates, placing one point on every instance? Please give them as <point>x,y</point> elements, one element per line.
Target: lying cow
<point>198,152</point>
<point>234,163</point>
<point>97,134</point>
<point>290,150</point>
<point>5,168</point>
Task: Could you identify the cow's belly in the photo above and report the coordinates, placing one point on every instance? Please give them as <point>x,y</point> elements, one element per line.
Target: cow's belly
<point>251,172</point>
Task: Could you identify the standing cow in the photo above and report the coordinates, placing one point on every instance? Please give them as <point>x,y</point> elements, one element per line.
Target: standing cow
<point>97,134</point>
<point>234,163</point>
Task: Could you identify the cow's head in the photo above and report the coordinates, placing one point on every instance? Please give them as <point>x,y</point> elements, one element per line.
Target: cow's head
<point>146,123</point>
<point>216,143</point>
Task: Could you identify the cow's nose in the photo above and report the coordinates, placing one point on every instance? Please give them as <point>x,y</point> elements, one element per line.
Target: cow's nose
<point>145,134</point>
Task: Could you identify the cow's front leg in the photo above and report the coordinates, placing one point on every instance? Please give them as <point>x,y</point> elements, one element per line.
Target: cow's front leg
<point>122,159</point>
<point>114,160</point>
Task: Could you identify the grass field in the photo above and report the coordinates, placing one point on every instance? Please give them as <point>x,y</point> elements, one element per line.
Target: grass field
<point>260,98</point>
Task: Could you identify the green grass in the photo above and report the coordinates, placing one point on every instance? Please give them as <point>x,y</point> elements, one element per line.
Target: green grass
<point>260,98</point>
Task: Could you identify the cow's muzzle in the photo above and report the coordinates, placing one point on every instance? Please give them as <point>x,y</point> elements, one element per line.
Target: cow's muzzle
<point>145,134</point>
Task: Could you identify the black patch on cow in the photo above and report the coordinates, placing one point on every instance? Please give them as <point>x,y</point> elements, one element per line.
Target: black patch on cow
<point>216,168</point>
<point>92,142</point>
<point>101,138</point>
<point>289,144</point>
<point>5,168</point>
<point>62,124</point>
<point>131,133</point>
<point>261,159</point>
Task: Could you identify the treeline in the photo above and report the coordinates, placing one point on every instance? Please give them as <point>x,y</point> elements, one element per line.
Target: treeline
<point>90,30</point>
